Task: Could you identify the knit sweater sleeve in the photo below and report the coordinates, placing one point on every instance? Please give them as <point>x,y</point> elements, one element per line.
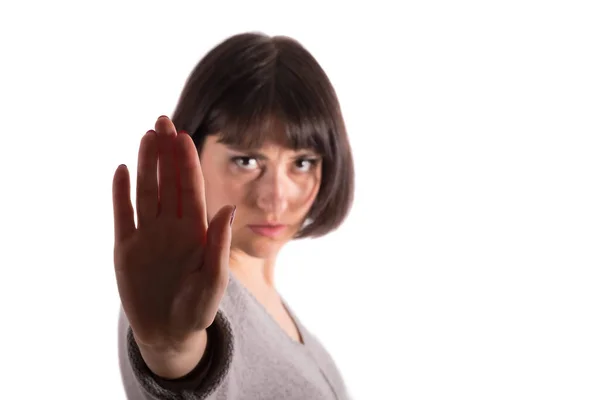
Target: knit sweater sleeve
<point>200,384</point>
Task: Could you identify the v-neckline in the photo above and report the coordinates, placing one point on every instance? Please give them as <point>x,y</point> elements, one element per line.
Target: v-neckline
<point>294,319</point>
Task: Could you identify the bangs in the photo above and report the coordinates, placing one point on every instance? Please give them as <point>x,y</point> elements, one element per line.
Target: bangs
<point>252,90</point>
<point>255,110</point>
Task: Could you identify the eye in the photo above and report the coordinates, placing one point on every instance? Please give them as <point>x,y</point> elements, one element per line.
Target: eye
<point>245,162</point>
<point>305,164</point>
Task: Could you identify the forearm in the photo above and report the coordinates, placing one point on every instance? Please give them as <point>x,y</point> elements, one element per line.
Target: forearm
<point>175,363</point>
<point>155,374</point>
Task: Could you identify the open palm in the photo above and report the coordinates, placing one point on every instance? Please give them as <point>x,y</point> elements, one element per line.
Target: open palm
<point>172,269</point>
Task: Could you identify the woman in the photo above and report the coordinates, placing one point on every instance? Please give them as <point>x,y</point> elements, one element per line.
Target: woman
<point>256,155</point>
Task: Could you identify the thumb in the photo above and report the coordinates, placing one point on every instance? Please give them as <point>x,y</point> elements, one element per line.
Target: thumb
<point>218,245</point>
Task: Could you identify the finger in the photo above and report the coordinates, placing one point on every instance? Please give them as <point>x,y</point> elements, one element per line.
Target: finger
<point>147,184</point>
<point>193,200</point>
<point>167,167</point>
<point>122,207</point>
<point>215,269</point>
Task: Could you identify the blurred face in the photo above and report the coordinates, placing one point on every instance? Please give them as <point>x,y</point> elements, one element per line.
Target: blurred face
<point>273,188</point>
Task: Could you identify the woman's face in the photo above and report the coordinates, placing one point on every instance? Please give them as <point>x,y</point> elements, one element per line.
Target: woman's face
<point>273,188</point>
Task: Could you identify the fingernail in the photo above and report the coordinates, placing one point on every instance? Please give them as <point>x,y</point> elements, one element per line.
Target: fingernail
<point>232,215</point>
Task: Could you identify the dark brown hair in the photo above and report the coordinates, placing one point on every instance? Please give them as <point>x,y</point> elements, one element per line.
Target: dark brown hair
<point>251,81</point>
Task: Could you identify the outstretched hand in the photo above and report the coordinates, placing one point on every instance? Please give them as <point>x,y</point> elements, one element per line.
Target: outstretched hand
<point>172,268</point>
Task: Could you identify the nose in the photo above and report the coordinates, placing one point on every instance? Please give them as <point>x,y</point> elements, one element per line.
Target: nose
<point>272,192</point>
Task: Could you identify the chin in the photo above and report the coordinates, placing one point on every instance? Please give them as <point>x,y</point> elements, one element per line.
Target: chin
<point>260,248</point>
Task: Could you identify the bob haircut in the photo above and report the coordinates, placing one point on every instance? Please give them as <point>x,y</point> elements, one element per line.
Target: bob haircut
<point>251,88</point>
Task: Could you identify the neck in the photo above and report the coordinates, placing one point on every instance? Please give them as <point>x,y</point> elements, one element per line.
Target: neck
<point>251,271</point>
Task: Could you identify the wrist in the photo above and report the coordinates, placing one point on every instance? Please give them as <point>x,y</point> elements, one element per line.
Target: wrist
<point>175,361</point>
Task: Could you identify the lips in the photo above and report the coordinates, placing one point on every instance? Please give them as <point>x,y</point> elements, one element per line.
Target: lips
<point>271,231</point>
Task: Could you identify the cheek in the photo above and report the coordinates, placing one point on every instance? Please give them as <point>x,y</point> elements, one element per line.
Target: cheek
<point>222,190</point>
<point>306,193</point>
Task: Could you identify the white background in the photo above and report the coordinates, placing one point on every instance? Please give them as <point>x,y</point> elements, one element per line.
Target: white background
<point>469,267</point>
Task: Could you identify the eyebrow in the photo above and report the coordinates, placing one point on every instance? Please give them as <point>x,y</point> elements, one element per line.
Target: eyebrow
<point>255,153</point>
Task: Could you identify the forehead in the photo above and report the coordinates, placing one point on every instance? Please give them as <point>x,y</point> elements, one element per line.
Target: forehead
<point>266,147</point>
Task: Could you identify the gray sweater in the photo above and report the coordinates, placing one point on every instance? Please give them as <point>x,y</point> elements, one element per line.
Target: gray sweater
<point>248,357</point>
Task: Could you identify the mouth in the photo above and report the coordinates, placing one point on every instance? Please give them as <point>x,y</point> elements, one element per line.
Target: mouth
<point>268,230</point>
